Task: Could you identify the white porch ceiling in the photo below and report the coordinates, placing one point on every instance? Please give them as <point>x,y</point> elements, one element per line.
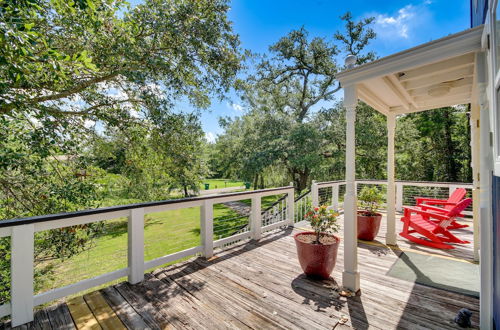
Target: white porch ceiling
<point>436,74</point>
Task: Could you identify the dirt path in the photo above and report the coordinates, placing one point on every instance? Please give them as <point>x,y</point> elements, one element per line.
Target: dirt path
<point>239,207</point>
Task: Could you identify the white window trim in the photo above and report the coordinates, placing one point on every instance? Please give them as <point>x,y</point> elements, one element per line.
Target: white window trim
<point>495,88</point>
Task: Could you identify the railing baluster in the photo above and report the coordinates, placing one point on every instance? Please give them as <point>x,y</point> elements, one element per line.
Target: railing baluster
<point>314,194</point>
<point>207,228</point>
<point>136,246</point>
<point>22,270</point>
<point>335,196</point>
<point>399,196</point>
<point>256,217</point>
<point>290,203</point>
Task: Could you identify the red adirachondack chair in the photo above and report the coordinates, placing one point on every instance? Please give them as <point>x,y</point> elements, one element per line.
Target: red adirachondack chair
<point>428,204</point>
<point>433,226</point>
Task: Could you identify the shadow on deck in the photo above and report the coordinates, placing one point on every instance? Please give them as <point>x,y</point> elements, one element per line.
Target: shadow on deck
<point>260,285</point>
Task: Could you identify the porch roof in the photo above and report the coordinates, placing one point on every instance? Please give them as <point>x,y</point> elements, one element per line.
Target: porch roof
<point>432,75</point>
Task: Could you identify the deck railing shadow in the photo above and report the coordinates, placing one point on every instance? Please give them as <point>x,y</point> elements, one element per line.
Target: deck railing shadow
<point>182,270</point>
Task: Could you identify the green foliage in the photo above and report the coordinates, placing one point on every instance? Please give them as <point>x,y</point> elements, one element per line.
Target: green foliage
<point>282,127</point>
<point>370,199</point>
<point>323,221</point>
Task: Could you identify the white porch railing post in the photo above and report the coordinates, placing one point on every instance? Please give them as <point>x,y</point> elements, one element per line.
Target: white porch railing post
<point>290,205</point>
<point>350,276</point>
<point>136,246</point>
<point>335,196</point>
<point>399,196</point>
<point>390,237</point>
<point>314,194</point>
<point>256,217</point>
<point>22,270</point>
<point>207,228</point>
<point>451,189</point>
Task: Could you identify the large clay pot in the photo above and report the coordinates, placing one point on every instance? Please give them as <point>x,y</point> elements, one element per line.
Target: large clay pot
<point>368,226</point>
<point>317,260</point>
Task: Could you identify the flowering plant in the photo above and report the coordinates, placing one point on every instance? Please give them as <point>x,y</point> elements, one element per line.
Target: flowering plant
<point>322,221</point>
<point>370,199</point>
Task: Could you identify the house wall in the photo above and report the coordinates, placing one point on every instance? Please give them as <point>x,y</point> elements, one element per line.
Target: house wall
<point>496,251</point>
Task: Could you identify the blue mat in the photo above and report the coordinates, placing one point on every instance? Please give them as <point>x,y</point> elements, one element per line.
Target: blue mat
<point>442,273</point>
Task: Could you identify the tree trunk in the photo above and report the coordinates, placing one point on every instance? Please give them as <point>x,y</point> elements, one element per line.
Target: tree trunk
<point>255,181</point>
<point>261,181</point>
<point>186,194</point>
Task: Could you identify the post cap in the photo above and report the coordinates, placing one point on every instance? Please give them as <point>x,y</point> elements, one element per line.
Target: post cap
<point>350,61</point>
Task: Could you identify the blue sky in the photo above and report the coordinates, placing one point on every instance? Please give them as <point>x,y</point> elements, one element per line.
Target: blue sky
<point>399,25</point>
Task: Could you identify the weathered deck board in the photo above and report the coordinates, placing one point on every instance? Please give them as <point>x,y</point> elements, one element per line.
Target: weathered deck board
<point>259,285</point>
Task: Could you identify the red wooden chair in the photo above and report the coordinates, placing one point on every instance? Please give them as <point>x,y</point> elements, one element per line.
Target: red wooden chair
<point>433,226</point>
<point>448,205</point>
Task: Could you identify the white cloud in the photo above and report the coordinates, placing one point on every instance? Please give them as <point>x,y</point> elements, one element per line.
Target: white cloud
<point>235,106</point>
<point>398,24</point>
<point>210,137</point>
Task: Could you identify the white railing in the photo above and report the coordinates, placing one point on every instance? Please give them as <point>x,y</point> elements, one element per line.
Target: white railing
<point>22,233</point>
<point>330,193</point>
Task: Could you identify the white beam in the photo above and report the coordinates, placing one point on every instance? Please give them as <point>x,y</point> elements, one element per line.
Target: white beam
<point>350,276</point>
<point>402,99</point>
<point>439,78</point>
<point>440,67</point>
<point>402,90</point>
<point>390,237</point>
<point>371,99</point>
<point>462,83</point>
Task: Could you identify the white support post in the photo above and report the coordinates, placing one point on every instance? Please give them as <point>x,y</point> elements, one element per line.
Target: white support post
<point>21,272</point>
<point>335,196</point>
<point>314,194</point>
<point>399,196</point>
<point>475,145</point>
<point>290,206</point>
<point>451,189</point>
<point>207,228</point>
<point>390,237</point>
<point>256,217</point>
<point>350,276</point>
<point>136,246</point>
<point>486,162</point>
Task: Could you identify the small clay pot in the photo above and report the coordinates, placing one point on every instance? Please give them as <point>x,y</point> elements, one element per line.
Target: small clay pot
<point>317,260</point>
<point>368,226</point>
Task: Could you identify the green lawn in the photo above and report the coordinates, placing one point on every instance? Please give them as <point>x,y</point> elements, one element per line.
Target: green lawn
<point>164,233</point>
<point>266,201</point>
<point>221,183</point>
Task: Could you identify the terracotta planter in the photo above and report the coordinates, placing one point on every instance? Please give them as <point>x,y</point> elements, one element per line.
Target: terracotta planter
<point>368,226</point>
<point>317,260</point>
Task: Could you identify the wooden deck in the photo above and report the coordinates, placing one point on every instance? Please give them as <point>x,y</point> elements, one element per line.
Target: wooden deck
<point>260,285</point>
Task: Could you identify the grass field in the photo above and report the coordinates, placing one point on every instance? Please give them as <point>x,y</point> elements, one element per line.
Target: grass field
<point>164,233</point>
<point>221,183</point>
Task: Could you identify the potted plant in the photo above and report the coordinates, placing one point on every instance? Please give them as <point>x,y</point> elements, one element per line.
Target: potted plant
<point>369,200</point>
<point>317,250</point>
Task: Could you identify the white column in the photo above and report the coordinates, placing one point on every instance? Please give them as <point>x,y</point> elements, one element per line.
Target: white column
<point>486,228</point>
<point>136,246</point>
<point>207,228</point>
<point>21,274</point>
<point>475,145</point>
<point>390,237</point>
<point>350,276</point>
<point>256,217</point>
